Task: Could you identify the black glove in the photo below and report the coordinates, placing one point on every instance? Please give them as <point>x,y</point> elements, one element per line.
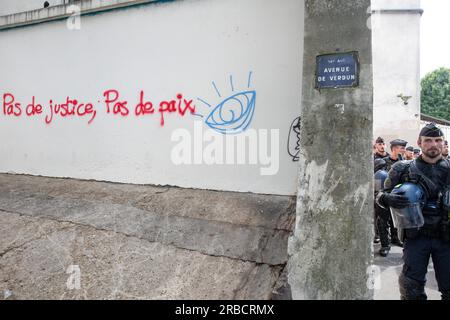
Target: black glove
<point>397,200</point>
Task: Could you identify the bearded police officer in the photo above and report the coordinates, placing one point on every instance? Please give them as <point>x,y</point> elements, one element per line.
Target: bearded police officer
<point>418,194</point>
<point>379,149</point>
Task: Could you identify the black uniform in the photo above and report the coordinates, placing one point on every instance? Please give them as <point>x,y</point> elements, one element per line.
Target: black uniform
<point>390,162</point>
<point>386,230</point>
<point>380,156</point>
<point>379,164</point>
<point>432,238</point>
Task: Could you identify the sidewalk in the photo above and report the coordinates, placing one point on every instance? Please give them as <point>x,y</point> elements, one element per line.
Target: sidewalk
<point>391,266</point>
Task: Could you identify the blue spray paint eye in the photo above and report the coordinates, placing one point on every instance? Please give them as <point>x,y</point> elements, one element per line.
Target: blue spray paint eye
<point>234,114</point>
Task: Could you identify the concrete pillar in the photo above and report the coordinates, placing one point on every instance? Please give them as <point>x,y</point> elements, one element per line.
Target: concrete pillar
<point>331,248</point>
<point>396,69</point>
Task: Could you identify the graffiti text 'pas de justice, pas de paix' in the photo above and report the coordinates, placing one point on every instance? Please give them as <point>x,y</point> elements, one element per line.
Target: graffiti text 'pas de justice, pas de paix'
<point>112,104</point>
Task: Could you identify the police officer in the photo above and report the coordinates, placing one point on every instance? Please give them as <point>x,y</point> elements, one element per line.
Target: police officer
<point>386,229</point>
<point>380,175</point>
<point>397,150</point>
<point>430,173</point>
<point>445,151</point>
<point>379,149</point>
<point>409,153</point>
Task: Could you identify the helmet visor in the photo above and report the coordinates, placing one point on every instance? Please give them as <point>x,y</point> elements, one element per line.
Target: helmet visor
<point>408,218</point>
<point>378,185</point>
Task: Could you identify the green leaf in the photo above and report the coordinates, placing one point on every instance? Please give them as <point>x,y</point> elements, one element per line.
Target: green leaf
<point>435,95</point>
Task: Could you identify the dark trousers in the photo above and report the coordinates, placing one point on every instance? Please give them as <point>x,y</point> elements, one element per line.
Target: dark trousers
<point>385,226</point>
<point>375,223</point>
<point>416,256</point>
<point>393,230</point>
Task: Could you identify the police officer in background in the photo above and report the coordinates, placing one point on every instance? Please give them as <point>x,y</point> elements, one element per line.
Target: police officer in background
<point>430,175</point>
<point>385,224</point>
<point>445,151</point>
<point>382,215</point>
<point>409,153</point>
<point>380,175</point>
<point>379,149</point>
<point>397,151</point>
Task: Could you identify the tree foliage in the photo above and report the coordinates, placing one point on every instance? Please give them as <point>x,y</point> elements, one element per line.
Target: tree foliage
<point>436,94</point>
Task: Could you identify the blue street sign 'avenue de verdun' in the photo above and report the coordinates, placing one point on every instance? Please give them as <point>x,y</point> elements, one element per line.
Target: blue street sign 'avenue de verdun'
<point>337,70</point>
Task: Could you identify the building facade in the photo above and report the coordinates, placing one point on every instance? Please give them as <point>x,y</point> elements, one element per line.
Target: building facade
<point>396,69</point>
<point>219,76</point>
<point>165,91</point>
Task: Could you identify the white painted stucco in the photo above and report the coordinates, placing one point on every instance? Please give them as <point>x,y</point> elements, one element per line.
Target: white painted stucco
<point>163,49</point>
<point>396,69</point>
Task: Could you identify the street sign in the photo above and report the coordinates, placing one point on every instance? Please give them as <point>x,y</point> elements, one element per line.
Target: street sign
<point>337,70</point>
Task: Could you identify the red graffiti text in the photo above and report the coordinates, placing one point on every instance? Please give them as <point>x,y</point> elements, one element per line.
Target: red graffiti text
<point>71,108</point>
<point>181,105</point>
<point>10,107</point>
<point>112,103</point>
<point>33,108</point>
<point>142,107</point>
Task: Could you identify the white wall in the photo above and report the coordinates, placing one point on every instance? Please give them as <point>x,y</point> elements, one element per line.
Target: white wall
<point>164,49</point>
<point>16,6</point>
<point>396,70</point>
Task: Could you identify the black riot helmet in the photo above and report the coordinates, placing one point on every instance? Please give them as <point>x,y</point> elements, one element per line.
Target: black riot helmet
<point>378,164</point>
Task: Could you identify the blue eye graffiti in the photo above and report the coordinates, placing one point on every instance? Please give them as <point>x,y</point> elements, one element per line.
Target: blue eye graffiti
<point>233,114</point>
